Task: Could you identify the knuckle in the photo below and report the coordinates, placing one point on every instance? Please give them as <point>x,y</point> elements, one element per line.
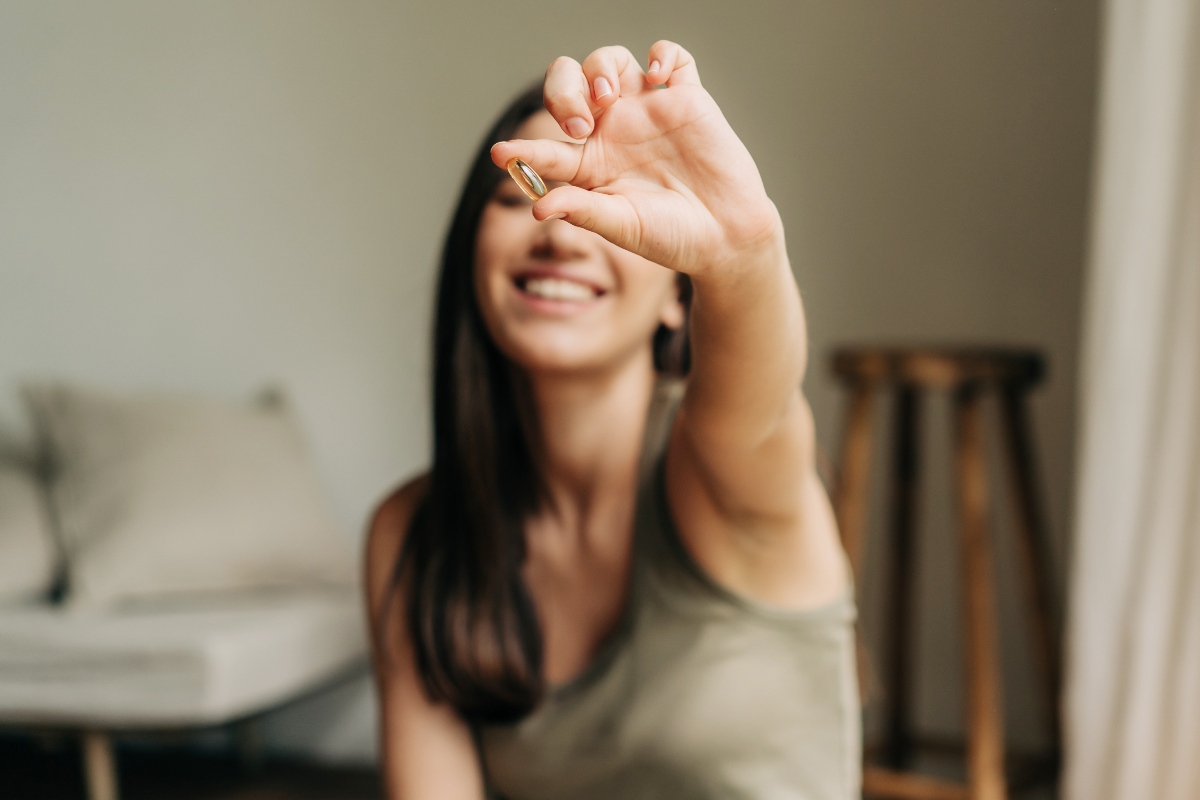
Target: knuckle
<point>561,99</point>
<point>595,62</point>
<point>607,57</point>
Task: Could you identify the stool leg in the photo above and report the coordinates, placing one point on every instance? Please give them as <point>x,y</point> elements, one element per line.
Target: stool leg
<point>898,748</point>
<point>985,746</point>
<point>99,766</point>
<point>1033,549</point>
<point>851,501</point>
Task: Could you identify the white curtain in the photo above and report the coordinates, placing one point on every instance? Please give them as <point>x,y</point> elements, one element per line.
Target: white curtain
<point>1133,680</point>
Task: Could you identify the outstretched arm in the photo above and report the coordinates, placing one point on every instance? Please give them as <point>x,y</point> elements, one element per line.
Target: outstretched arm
<point>662,174</point>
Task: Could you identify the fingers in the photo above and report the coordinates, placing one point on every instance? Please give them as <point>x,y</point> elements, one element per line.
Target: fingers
<point>575,94</point>
<point>551,159</point>
<point>567,97</point>
<point>670,64</point>
<point>611,72</point>
<point>609,215</point>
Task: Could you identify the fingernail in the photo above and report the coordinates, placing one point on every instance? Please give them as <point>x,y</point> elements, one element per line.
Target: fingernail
<point>654,65</point>
<point>577,127</point>
<point>602,87</point>
<point>559,215</point>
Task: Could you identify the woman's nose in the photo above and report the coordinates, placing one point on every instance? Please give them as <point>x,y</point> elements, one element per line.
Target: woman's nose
<point>559,240</point>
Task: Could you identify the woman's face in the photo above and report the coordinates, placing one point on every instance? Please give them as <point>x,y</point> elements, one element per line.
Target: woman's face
<point>558,298</point>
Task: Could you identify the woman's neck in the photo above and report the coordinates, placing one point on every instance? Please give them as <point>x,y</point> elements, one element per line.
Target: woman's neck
<point>589,429</point>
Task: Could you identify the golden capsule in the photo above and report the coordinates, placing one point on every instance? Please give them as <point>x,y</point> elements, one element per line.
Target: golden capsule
<point>529,181</point>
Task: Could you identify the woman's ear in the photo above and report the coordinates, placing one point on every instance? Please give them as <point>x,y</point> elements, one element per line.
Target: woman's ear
<point>673,313</point>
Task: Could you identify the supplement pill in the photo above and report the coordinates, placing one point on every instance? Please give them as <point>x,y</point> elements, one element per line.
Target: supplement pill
<point>529,181</point>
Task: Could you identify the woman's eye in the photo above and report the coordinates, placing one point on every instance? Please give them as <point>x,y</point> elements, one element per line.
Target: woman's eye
<point>511,200</point>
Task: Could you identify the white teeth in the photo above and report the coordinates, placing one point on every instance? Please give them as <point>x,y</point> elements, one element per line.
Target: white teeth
<point>558,289</point>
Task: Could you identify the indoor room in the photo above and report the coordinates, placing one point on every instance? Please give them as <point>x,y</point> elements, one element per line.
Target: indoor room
<point>823,425</point>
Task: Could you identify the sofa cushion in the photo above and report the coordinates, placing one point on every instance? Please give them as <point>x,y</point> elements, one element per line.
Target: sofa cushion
<point>28,554</point>
<point>159,494</point>
<point>188,665</point>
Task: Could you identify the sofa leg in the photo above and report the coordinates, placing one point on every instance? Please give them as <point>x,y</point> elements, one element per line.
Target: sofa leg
<point>249,736</point>
<point>99,766</point>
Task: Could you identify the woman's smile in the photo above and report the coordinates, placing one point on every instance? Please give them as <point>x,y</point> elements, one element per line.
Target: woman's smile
<point>557,289</point>
<point>556,292</point>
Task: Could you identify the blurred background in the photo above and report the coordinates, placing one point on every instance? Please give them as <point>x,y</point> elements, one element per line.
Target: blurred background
<point>215,197</point>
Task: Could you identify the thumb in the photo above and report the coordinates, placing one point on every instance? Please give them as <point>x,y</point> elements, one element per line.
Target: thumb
<point>612,216</point>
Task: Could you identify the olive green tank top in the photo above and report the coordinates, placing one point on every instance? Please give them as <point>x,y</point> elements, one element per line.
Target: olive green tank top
<point>699,694</point>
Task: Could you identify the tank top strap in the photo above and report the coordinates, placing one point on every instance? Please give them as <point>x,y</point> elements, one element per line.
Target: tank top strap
<point>660,562</point>
<point>653,550</point>
<point>664,404</point>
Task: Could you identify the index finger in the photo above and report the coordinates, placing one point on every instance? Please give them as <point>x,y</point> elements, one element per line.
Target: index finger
<point>552,160</point>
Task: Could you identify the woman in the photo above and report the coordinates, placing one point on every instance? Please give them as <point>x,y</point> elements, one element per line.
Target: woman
<point>565,606</point>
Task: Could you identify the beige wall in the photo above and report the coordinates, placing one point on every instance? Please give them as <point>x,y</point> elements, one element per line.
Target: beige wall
<point>211,196</point>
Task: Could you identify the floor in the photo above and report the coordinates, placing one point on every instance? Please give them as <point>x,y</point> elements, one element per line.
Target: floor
<point>952,769</point>
<point>32,771</point>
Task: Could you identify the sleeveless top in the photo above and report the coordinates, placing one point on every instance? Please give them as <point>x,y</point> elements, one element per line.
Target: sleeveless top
<point>698,694</point>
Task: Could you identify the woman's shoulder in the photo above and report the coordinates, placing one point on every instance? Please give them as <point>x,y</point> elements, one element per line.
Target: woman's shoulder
<point>386,532</point>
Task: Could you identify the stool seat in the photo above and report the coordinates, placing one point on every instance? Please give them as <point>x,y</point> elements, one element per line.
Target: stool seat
<point>940,367</point>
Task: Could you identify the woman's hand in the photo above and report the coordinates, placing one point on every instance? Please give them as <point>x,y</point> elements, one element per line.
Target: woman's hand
<point>661,173</point>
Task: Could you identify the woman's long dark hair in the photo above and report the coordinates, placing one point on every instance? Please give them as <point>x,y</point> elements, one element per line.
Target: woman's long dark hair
<point>472,624</point>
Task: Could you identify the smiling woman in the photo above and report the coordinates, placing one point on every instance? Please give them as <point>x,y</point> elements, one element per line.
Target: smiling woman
<point>608,584</point>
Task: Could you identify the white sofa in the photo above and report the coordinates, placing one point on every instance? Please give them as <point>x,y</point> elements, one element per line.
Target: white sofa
<point>146,670</point>
<point>202,579</point>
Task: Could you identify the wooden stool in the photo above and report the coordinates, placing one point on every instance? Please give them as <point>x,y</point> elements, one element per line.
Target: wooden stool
<point>967,374</point>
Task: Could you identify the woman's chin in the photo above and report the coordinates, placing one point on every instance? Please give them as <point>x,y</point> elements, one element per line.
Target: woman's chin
<point>561,364</point>
<point>562,357</point>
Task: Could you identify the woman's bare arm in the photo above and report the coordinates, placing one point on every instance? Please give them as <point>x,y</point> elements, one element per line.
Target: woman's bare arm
<point>662,174</point>
<point>427,750</point>
<point>741,467</point>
